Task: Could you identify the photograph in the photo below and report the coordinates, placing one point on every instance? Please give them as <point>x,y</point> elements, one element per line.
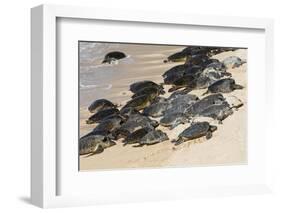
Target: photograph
<point>161,105</point>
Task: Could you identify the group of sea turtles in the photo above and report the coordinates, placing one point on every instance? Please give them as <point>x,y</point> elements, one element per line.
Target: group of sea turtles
<point>138,120</point>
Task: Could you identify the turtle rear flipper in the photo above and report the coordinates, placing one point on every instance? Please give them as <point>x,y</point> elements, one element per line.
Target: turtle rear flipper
<point>174,88</point>
<point>177,142</point>
<point>228,74</point>
<point>187,89</point>
<point>139,145</point>
<point>237,86</point>
<point>174,125</point>
<point>209,135</point>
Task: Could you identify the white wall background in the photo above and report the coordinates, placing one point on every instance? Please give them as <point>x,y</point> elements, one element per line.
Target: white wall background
<point>15,103</point>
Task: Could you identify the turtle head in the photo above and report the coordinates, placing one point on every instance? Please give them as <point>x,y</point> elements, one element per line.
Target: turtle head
<point>108,143</point>
<point>165,137</point>
<point>154,123</point>
<point>106,60</point>
<point>213,128</point>
<point>161,89</point>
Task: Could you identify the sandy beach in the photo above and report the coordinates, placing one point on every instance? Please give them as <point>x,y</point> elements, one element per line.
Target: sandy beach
<point>228,146</point>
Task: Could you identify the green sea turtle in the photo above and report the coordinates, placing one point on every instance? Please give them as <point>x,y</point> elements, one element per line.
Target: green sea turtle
<point>187,81</point>
<point>135,87</point>
<point>217,50</point>
<point>195,130</point>
<point>113,56</point>
<point>153,137</point>
<point>184,99</point>
<point>196,50</point>
<point>100,104</point>
<point>233,61</point>
<point>180,103</point>
<point>136,136</point>
<point>200,51</point>
<point>203,104</point>
<point>217,111</point>
<point>179,69</point>
<point>139,102</point>
<point>94,144</point>
<point>219,66</point>
<point>156,109</point>
<point>107,126</point>
<point>170,79</point>
<point>188,49</point>
<point>100,115</point>
<point>143,119</point>
<point>182,93</point>
<point>210,76</point>
<point>176,57</point>
<point>134,123</point>
<point>198,59</point>
<point>193,70</point>
<point>177,108</point>
<point>128,111</point>
<point>152,91</point>
<point>172,120</point>
<point>225,85</point>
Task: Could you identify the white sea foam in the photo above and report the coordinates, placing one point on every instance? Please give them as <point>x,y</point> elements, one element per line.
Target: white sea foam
<point>103,86</point>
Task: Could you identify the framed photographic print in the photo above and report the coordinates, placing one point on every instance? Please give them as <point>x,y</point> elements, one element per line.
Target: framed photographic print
<point>137,106</point>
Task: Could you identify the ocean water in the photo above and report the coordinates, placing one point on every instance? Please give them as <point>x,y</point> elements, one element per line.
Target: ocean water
<point>96,79</point>
<point>99,80</point>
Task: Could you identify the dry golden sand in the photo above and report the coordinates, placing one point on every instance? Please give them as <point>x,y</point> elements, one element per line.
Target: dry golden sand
<point>228,146</point>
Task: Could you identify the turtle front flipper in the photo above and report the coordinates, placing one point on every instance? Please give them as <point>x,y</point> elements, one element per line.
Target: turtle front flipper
<point>209,135</point>
<point>220,117</point>
<point>98,149</point>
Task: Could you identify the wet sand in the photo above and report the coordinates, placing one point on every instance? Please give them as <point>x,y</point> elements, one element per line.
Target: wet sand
<point>228,146</point>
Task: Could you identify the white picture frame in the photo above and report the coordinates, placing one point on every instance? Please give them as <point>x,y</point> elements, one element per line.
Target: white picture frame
<point>44,168</point>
